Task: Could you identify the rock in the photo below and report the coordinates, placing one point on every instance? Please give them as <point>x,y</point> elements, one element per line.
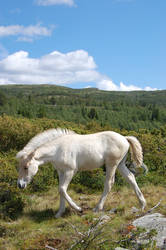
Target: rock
<point>154,221</point>
<point>104,219</point>
<point>81,198</point>
<point>113,211</point>
<point>134,210</point>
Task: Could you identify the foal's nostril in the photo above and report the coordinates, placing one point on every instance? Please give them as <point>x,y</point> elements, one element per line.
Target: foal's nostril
<point>21,186</point>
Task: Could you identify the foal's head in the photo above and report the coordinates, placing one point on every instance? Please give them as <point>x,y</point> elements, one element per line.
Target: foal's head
<point>28,167</point>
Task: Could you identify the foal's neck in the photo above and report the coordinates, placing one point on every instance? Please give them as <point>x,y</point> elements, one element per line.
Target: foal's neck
<point>46,153</point>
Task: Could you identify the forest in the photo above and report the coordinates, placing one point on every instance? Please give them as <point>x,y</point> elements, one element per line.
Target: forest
<point>123,110</point>
<point>27,217</point>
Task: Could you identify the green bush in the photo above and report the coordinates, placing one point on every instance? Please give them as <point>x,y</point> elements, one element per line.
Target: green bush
<point>91,179</point>
<point>119,181</point>
<point>16,132</point>
<point>11,202</point>
<point>44,179</point>
<point>8,171</point>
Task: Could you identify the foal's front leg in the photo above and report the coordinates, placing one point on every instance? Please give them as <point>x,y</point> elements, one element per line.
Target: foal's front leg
<point>64,180</point>
<point>62,199</point>
<point>109,181</point>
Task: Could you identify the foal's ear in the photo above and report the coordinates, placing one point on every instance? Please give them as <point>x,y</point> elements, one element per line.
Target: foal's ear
<point>36,155</point>
<point>20,154</point>
<point>31,155</point>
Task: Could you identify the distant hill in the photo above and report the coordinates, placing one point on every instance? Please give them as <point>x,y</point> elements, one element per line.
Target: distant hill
<point>128,110</point>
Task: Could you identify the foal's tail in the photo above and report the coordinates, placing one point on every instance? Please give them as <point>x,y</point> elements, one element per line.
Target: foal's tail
<point>136,150</point>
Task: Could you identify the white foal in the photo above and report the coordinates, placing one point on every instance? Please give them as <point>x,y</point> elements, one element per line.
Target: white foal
<point>70,152</point>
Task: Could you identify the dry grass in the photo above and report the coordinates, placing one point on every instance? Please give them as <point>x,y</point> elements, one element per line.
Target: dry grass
<point>37,227</point>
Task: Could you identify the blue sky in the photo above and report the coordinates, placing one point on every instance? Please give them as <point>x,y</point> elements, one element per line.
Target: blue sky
<point>108,44</point>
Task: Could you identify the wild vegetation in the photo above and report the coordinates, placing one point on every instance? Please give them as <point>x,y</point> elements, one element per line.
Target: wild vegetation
<point>129,110</point>
<point>27,217</point>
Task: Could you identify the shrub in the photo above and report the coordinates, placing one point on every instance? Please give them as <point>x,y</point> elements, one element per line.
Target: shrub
<point>91,179</point>
<point>11,202</point>
<point>8,172</point>
<point>119,181</point>
<point>45,178</point>
<point>16,132</point>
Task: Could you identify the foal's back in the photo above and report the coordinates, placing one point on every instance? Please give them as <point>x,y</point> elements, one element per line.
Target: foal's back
<point>86,152</point>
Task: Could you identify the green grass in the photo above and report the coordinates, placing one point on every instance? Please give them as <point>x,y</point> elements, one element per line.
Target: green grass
<point>37,227</point>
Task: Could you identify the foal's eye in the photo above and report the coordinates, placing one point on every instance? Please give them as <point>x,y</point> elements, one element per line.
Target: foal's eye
<point>25,168</point>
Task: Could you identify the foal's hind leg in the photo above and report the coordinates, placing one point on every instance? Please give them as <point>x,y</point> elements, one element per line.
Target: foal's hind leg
<point>128,175</point>
<point>64,180</point>
<point>109,181</point>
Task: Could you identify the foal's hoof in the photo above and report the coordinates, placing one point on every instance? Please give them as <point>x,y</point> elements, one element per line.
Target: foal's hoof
<point>80,212</point>
<point>143,205</point>
<point>79,209</point>
<point>58,215</point>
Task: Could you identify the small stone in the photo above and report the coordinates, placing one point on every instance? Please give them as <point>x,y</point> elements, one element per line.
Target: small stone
<point>113,211</point>
<point>81,198</point>
<point>134,210</point>
<point>104,219</point>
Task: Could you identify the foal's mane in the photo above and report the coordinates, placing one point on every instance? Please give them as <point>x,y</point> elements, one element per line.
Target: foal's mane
<point>42,138</point>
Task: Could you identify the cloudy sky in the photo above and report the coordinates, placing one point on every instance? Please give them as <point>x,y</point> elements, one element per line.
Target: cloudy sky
<point>108,44</point>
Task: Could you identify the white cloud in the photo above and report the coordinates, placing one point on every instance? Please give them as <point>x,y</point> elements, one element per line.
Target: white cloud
<point>150,89</point>
<point>53,68</point>
<point>107,84</point>
<point>88,87</point>
<point>55,2</point>
<point>57,68</point>
<point>123,87</point>
<point>25,33</point>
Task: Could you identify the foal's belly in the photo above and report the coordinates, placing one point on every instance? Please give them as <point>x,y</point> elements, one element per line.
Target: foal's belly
<point>89,162</point>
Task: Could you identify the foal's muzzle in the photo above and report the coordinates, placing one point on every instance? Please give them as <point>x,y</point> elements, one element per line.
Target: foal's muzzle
<point>21,184</point>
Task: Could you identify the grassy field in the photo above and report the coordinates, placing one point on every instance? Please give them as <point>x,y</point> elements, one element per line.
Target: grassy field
<point>37,227</point>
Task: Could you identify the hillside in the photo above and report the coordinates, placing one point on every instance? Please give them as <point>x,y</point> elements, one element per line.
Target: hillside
<point>27,217</point>
<point>124,110</point>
